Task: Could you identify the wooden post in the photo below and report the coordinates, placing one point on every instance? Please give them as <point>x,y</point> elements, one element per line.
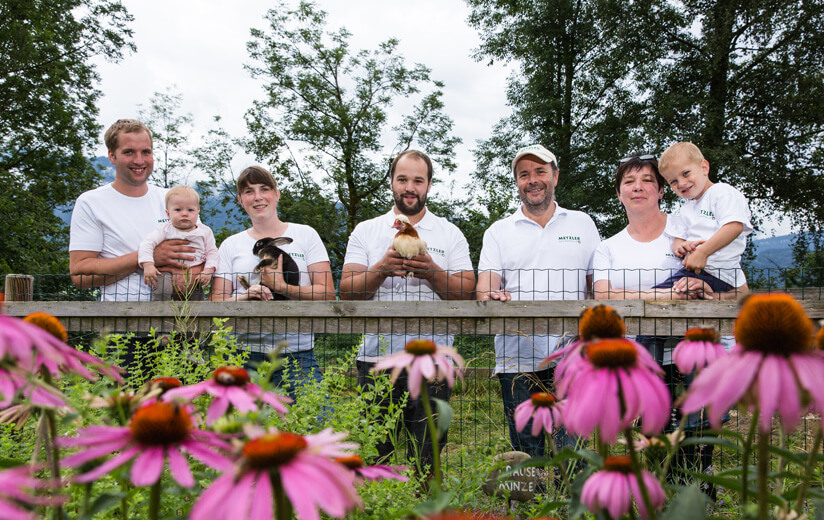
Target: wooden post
<point>19,287</point>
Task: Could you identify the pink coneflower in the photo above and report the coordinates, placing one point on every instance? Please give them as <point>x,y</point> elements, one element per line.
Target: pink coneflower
<point>596,323</point>
<point>422,359</point>
<point>32,348</point>
<point>614,488</point>
<point>16,485</point>
<point>617,382</point>
<point>373,473</point>
<point>699,348</point>
<point>773,366</point>
<point>229,386</point>
<point>544,411</point>
<point>303,467</point>
<point>14,386</point>
<point>155,432</point>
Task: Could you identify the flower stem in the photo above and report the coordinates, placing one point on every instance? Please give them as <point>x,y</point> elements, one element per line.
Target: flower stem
<point>283,508</point>
<point>154,501</point>
<point>747,450</point>
<point>673,449</point>
<point>51,442</point>
<point>763,468</point>
<point>636,470</point>
<point>808,471</point>
<point>433,433</point>
<point>563,471</point>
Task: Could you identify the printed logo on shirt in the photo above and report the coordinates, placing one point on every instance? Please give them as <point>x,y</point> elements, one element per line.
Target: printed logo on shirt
<point>439,252</point>
<point>297,255</point>
<point>569,238</point>
<point>706,214</point>
<point>162,220</point>
<point>670,255</point>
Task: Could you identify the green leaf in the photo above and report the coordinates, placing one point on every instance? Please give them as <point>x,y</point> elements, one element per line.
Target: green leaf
<point>445,414</point>
<point>103,503</point>
<point>689,504</point>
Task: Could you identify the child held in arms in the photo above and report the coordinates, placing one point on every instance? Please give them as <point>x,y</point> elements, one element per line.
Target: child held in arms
<point>183,209</point>
<point>712,227</point>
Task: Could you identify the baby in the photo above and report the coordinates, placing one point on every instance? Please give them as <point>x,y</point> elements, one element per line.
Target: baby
<point>183,209</point>
<point>712,228</point>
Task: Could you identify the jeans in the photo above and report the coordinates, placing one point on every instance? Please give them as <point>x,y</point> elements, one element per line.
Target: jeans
<point>419,439</point>
<point>302,368</point>
<point>517,388</point>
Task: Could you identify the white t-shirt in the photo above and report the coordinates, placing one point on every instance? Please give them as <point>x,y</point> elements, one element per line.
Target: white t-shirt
<point>114,224</point>
<point>369,242</point>
<point>701,218</point>
<point>236,257</point>
<point>200,237</point>
<point>538,263</point>
<point>633,265</point>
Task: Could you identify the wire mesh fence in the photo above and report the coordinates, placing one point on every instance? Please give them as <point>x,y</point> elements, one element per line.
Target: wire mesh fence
<point>493,337</point>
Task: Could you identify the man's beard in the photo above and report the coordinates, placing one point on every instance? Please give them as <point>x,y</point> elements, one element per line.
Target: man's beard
<point>409,210</point>
<point>537,208</point>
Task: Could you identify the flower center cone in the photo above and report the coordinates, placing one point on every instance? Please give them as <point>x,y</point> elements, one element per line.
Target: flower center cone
<point>273,450</point>
<point>160,424</point>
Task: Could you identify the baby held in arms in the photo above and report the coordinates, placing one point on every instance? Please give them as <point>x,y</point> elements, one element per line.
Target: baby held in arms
<point>183,210</point>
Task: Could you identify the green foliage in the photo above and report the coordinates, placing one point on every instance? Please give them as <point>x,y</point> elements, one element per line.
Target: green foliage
<point>743,81</point>
<point>170,138</point>
<point>47,119</point>
<point>333,101</point>
<point>570,93</point>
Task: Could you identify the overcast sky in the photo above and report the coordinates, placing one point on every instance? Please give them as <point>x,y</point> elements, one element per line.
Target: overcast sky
<point>199,48</point>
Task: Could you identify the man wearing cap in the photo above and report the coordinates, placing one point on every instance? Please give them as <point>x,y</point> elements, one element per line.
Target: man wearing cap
<point>540,252</point>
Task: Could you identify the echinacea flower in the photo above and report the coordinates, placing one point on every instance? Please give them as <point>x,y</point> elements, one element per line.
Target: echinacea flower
<point>16,498</point>
<point>15,385</point>
<point>155,432</point>
<point>303,466</point>
<point>596,322</point>
<point>614,488</point>
<point>544,411</point>
<point>617,382</point>
<point>374,473</point>
<point>699,348</point>
<point>229,386</point>
<point>31,348</point>
<point>773,366</point>
<point>423,359</point>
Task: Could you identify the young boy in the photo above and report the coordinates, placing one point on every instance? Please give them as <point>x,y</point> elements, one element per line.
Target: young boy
<point>714,222</point>
<point>182,208</point>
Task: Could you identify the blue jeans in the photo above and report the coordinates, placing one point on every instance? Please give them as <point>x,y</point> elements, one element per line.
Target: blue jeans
<point>302,367</point>
<point>517,388</point>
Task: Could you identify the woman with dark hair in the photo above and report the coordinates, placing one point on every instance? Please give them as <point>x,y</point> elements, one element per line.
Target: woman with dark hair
<point>257,193</point>
<point>632,263</point>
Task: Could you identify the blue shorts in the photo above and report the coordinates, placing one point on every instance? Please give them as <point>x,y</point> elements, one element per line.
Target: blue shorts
<point>715,284</point>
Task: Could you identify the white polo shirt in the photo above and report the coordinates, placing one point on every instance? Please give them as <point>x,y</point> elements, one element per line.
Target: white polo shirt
<point>538,263</point>
<point>368,244</point>
<point>633,265</point>
<point>114,224</point>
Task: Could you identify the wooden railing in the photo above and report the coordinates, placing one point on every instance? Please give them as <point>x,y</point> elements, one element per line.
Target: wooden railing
<point>458,317</point>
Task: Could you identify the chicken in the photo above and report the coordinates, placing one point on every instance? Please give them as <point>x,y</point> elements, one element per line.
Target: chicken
<point>407,242</point>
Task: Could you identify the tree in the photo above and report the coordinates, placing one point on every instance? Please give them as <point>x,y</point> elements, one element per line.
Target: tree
<point>170,137</point>
<point>743,81</point>
<point>47,119</point>
<point>332,103</point>
<point>570,94</point>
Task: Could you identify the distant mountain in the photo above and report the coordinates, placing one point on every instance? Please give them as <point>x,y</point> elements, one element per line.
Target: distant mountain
<point>773,252</point>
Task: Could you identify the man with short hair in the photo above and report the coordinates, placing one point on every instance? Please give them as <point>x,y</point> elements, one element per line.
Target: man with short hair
<point>540,252</point>
<point>373,270</point>
<point>108,223</point>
